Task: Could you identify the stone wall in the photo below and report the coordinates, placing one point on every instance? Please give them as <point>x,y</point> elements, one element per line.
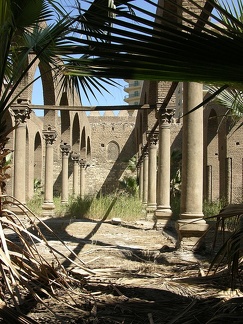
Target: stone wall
<point>113,145</point>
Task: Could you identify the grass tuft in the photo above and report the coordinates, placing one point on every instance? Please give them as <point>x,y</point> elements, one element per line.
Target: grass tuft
<point>124,206</point>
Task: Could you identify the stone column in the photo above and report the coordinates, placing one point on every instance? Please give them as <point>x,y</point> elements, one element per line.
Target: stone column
<point>75,158</point>
<point>82,164</point>
<point>65,149</point>
<point>21,113</point>
<point>145,178</point>
<point>152,174</point>
<point>48,206</point>
<point>163,212</point>
<point>141,179</point>
<point>191,225</point>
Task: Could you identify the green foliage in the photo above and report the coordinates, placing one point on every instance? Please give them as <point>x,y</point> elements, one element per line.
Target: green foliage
<point>175,206</point>
<point>129,185</point>
<point>37,185</point>
<point>175,167</point>
<point>35,203</point>
<point>212,208</point>
<point>129,182</point>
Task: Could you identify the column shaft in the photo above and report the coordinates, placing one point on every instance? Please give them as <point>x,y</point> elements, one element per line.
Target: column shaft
<point>192,148</point>
<point>191,223</point>
<point>65,149</point>
<point>48,195</point>
<point>48,206</point>
<point>152,175</point>
<point>141,181</point>
<point>64,197</point>
<point>163,211</point>
<point>145,179</point>
<point>75,178</point>
<point>19,162</point>
<point>21,113</point>
<point>82,178</point>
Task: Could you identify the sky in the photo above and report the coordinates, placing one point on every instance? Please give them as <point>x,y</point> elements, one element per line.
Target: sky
<point>116,96</point>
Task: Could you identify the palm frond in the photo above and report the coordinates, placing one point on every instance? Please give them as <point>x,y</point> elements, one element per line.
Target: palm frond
<point>232,100</point>
<point>23,268</point>
<point>154,47</point>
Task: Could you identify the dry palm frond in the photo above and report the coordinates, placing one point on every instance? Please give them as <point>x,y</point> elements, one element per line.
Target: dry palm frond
<point>231,250</point>
<point>23,269</point>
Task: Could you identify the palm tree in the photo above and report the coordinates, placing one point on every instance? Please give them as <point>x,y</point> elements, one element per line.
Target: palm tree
<point>33,31</point>
<point>41,31</point>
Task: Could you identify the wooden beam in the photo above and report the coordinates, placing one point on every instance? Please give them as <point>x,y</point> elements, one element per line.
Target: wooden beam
<point>93,108</point>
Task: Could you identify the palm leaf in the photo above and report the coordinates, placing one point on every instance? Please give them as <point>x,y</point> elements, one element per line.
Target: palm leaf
<point>170,51</point>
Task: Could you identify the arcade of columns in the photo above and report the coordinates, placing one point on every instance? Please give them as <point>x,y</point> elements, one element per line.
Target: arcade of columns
<point>155,176</point>
<point>21,113</point>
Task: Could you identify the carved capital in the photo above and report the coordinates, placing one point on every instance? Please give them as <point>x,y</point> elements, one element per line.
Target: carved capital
<point>65,149</point>
<point>165,116</point>
<point>21,113</point>
<point>153,137</point>
<point>75,157</point>
<point>145,151</point>
<point>82,163</point>
<point>49,135</point>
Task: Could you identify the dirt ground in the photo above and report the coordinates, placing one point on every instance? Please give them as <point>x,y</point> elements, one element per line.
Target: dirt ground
<point>138,276</point>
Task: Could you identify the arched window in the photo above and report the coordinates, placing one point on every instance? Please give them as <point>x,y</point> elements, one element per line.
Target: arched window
<point>112,151</point>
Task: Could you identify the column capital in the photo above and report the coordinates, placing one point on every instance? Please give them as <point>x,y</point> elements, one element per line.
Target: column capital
<point>75,157</point>
<point>165,115</point>
<point>144,151</point>
<point>49,134</point>
<point>65,149</point>
<point>82,163</point>
<point>21,112</point>
<point>152,137</point>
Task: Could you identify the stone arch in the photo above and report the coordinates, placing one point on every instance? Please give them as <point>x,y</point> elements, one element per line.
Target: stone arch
<point>88,148</point>
<point>113,151</point>
<point>65,125</point>
<point>38,162</point>
<point>28,167</point>
<point>83,144</point>
<point>75,134</point>
<point>49,97</point>
<point>212,160</point>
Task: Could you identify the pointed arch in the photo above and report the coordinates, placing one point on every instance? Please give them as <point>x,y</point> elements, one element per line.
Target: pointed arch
<point>88,148</point>
<point>212,164</point>
<point>47,84</point>
<point>28,167</point>
<point>113,151</point>
<point>83,144</point>
<point>75,134</point>
<point>38,160</point>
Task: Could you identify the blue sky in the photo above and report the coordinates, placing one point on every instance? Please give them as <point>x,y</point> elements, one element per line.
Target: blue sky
<point>116,96</point>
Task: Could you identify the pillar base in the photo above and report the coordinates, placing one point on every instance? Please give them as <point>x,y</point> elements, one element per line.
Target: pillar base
<point>48,209</point>
<point>190,232</point>
<point>163,213</point>
<point>17,210</point>
<point>150,209</point>
<point>162,218</point>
